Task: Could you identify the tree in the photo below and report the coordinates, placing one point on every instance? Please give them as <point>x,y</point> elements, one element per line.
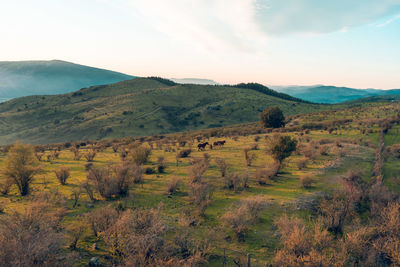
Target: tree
<point>283,147</point>
<point>272,118</point>
<point>21,166</point>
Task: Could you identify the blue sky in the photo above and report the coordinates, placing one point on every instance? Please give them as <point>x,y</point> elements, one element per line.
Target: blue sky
<point>353,43</point>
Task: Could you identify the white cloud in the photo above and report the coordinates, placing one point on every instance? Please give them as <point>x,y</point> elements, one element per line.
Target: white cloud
<point>208,24</point>
<point>316,16</point>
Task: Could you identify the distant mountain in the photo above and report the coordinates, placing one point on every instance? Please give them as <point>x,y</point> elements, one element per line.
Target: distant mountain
<point>332,94</point>
<point>24,78</point>
<point>194,81</point>
<point>138,107</point>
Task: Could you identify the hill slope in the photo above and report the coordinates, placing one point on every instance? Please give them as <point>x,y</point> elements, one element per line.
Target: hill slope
<point>333,94</point>
<point>142,106</point>
<point>23,78</point>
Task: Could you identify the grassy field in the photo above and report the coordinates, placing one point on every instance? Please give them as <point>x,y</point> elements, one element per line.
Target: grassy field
<point>349,144</point>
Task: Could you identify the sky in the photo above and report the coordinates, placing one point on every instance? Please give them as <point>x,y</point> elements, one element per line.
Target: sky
<point>354,43</point>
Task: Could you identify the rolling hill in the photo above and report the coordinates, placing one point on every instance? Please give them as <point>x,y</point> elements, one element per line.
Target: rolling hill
<point>138,107</point>
<point>333,94</point>
<point>24,78</point>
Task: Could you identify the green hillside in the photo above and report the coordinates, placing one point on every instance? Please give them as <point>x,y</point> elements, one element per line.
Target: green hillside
<point>142,106</point>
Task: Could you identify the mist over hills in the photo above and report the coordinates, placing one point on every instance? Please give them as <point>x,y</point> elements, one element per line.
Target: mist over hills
<point>194,81</point>
<point>332,94</point>
<point>23,78</point>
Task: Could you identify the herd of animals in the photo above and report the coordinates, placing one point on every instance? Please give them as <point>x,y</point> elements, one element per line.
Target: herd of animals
<point>202,146</point>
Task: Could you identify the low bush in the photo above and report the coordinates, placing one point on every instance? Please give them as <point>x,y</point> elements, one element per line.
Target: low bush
<point>63,174</point>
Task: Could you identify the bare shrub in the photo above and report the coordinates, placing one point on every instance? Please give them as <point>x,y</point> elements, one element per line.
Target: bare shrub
<point>88,188</point>
<point>111,182</point>
<point>137,174</point>
<point>5,186</point>
<point>389,233</point>
<point>21,166</point>
<point>335,211</point>
<point>140,155</point>
<point>138,236</point>
<point>233,181</point>
<point>309,152</point>
<point>63,174</point>
<point>196,171</point>
<point>173,185</point>
<point>222,166</point>
<point>90,155</point>
<point>302,163</point>
<point>101,219</point>
<point>250,157</point>
<point>302,246</point>
<point>31,237</point>
<point>247,213</point>
<point>324,150</point>
<point>200,195</point>
<point>75,232</point>
<point>306,181</point>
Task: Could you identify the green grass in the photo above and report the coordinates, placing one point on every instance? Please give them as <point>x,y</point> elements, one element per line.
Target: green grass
<point>261,240</point>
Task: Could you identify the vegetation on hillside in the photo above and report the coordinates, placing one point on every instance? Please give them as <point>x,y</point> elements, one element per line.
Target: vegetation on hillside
<point>138,107</point>
<point>321,191</point>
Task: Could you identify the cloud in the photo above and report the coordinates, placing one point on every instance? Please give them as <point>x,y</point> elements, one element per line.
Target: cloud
<point>279,17</point>
<point>209,24</point>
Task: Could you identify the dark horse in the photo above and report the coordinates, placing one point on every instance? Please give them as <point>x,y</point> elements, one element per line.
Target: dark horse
<point>219,143</point>
<point>202,146</point>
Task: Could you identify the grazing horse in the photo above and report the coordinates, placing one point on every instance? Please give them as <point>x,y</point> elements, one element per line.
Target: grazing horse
<point>202,146</point>
<point>219,143</point>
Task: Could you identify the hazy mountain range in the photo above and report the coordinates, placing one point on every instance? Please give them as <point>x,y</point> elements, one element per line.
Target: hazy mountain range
<point>332,94</point>
<point>23,78</point>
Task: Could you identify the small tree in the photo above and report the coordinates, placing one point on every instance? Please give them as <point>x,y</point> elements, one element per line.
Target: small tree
<point>272,118</point>
<point>283,147</point>
<point>21,166</point>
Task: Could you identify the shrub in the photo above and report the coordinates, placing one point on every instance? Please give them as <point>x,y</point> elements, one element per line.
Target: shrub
<point>149,170</point>
<point>140,155</point>
<point>31,237</point>
<point>222,166</point>
<point>250,157</point>
<point>111,182</point>
<point>283,147</point>
<point>89,156</point>
<point>306,181</point>
<point>196,171</point>
<point>137,173</point>
<point>173,185</point>
<point>101,219</point>
<point>184,153</point>
<point>138,236</point>
<point>247,213</point>
<point>323,150</point>
<point>77,154</point>
<point>21,166</point>
<point>233,181</point>
<point>302,163</point>
<point>272,118</point>
<point>265,175</point>
<point>161,165</point>
<point>62,174</point>
<point>200,195</point>
<point>5,186</point>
